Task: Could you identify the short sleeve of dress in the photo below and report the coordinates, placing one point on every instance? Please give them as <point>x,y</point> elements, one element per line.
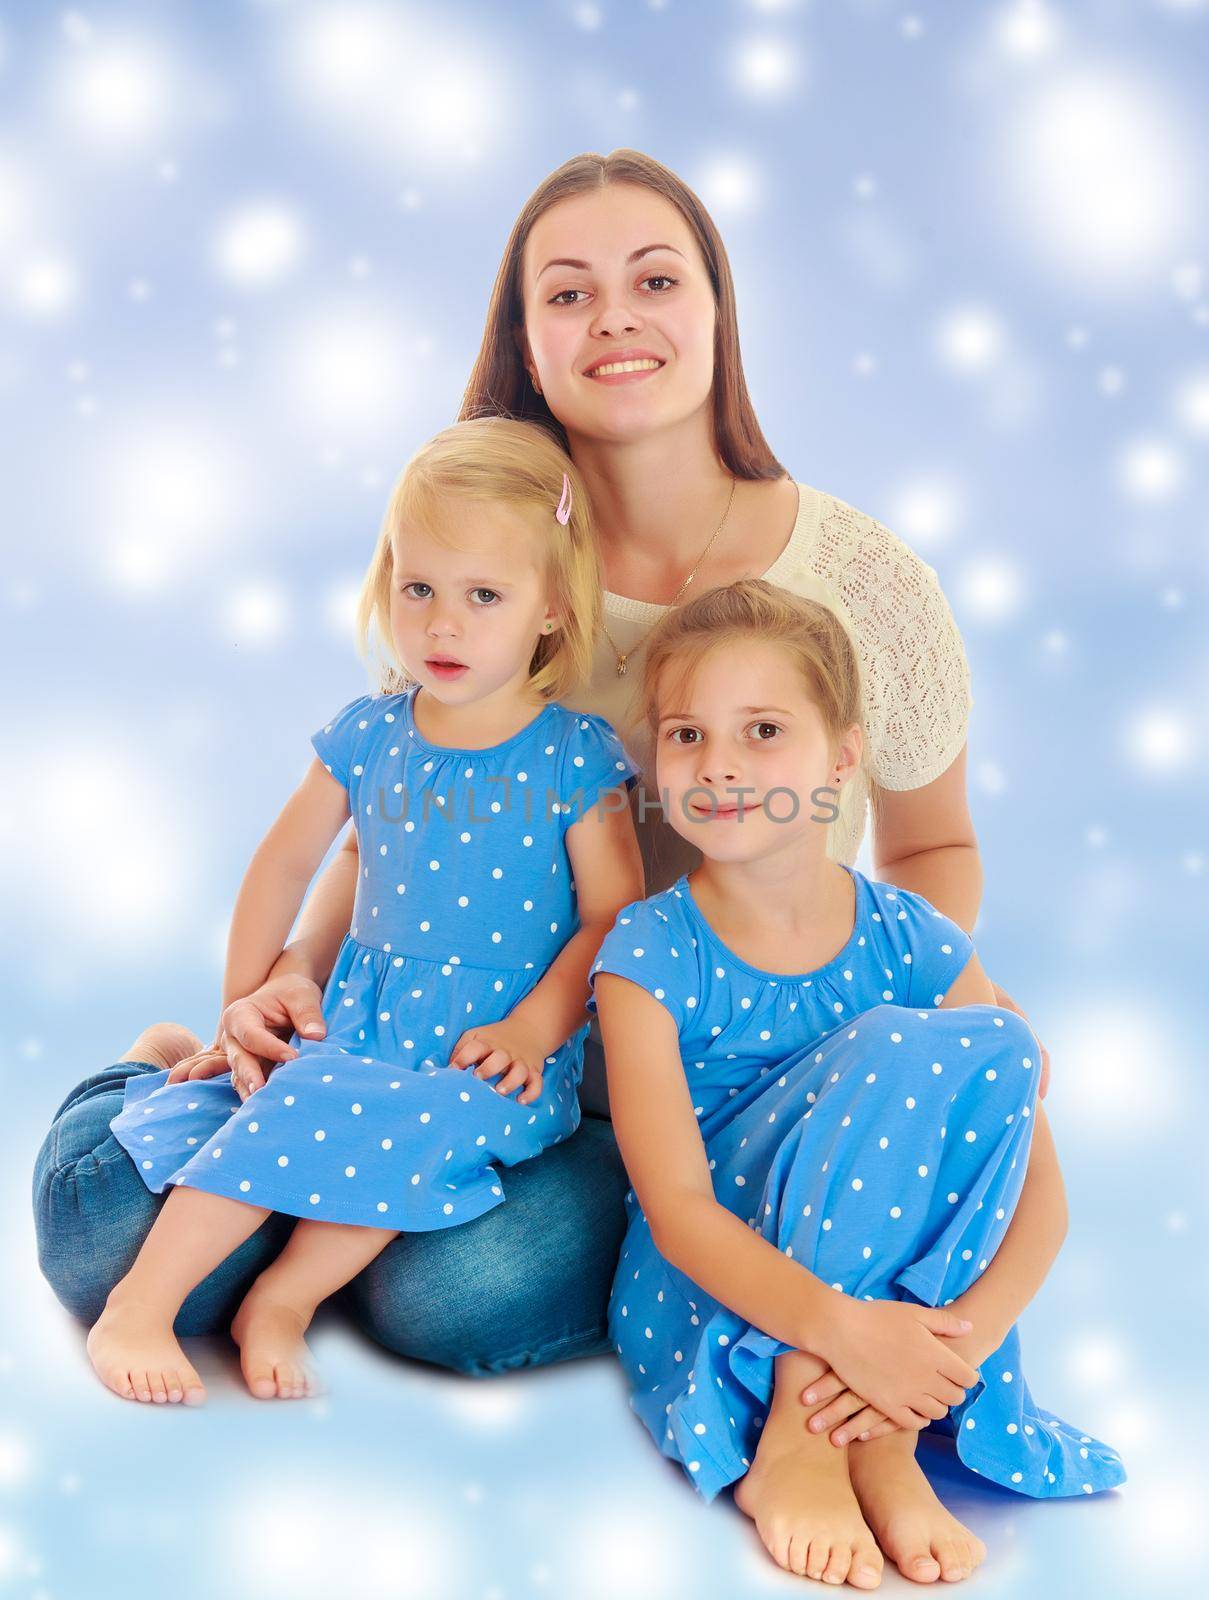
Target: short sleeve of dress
<point>338,741</point>
<point>915,680</point>
<point>939,947</point>
<point>639,946</point>
<point>594,761</point>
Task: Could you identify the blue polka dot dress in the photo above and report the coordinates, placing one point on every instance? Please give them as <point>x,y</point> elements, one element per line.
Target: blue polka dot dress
<point>876,1139</point>
<point>464,900</point>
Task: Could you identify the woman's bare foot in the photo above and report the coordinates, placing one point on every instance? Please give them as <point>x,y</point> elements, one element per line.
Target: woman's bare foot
<point>798,1494</point>
<point>163,1044</point>
<point>924,1541</point>
<point>273,1354</point>
<point>135,1353</point>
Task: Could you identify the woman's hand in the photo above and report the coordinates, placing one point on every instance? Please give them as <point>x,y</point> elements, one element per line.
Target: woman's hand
<point>895,1359</point>
<point>253,1031</point>
<point>507,1047</point>
<point>1004,999</point>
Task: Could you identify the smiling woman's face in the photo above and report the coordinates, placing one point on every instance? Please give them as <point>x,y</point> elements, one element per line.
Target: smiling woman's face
<point>619,295</point>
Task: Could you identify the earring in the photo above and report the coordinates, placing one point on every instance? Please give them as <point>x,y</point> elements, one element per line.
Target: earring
<point>536,385</point>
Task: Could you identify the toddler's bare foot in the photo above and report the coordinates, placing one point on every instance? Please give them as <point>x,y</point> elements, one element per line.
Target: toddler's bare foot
<point>164,1044</point>
<point>924,1541</point>
<point>798,1494</point>
<point>135,1353</point>
<point>272,1352</point>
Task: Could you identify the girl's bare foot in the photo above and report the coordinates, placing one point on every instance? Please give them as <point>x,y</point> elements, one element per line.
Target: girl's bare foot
<point>163,1044</point>
<point>924,1541</point>
<point>798,1494</point>
<point>135,1353</point>
<point>273,1354</point>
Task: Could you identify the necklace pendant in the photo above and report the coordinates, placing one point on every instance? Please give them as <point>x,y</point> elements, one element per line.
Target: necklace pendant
<point>621,660</point>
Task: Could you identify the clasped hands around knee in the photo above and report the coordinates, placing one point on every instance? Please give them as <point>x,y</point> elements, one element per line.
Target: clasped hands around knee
<point>885,1365</point>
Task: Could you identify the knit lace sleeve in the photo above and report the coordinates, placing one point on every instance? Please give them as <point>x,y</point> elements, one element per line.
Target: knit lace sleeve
<point>914,676</point>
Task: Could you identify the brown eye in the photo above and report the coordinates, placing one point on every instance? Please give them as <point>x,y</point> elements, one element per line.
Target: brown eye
<point>653,277</point>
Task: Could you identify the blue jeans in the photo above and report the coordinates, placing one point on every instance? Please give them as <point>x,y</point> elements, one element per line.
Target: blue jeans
<point>525,1284</point>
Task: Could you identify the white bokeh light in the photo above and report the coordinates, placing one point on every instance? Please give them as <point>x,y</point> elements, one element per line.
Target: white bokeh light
<point>1111,381</point>
<point>647,1561</point>
<point>76,28</point>
<point>1150,469</point>
<point>346,367</point>
<point>1116,1077</point>
<point>1192,404</point>
<point>730,185</point>
<point>131,867</point>
<point>969,339</point>
<point>340,605</point>
<point>314,1542</point>
<point>259,244</point>
<point>497,1405</point>
<point>990,777</point>
<point>925,511</point>
<point>16,200</point>
<point>14,1460</point>
<point>1187,279</point>
<point>1097,1360</point>
<point>46,285</point>
<point>167,501</point>
<point>117,95</point>
<point>766,68</point>
<point>990,590</point>
<point>256,614</point>
<point>1027,30</point>
<point>1165,1528</point>
<point>349,62</point>
<point>1158,741</point>
<point>1096,176</point>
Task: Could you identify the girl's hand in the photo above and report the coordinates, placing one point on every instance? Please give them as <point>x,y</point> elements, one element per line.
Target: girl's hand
<point>506,1047</point>
<point>898,1359</point>
<point>848,1417</point>
<point>208,1063</point>
<point>867,1422</point>
<point>1002,998</point>
<point>255,1028</point>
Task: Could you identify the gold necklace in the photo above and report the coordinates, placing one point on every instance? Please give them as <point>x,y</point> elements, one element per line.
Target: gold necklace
<point>622,659</point>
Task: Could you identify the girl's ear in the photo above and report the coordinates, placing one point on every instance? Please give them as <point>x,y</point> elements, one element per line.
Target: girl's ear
<point>851,746</point>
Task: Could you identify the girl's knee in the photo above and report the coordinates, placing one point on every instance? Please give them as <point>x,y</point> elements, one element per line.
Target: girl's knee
<point>1015,1035</point>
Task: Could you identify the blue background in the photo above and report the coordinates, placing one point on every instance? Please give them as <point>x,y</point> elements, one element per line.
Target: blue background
<point>245,254</point>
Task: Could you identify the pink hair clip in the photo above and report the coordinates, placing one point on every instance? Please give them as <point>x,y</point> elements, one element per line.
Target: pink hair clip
<point>564,505</point>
